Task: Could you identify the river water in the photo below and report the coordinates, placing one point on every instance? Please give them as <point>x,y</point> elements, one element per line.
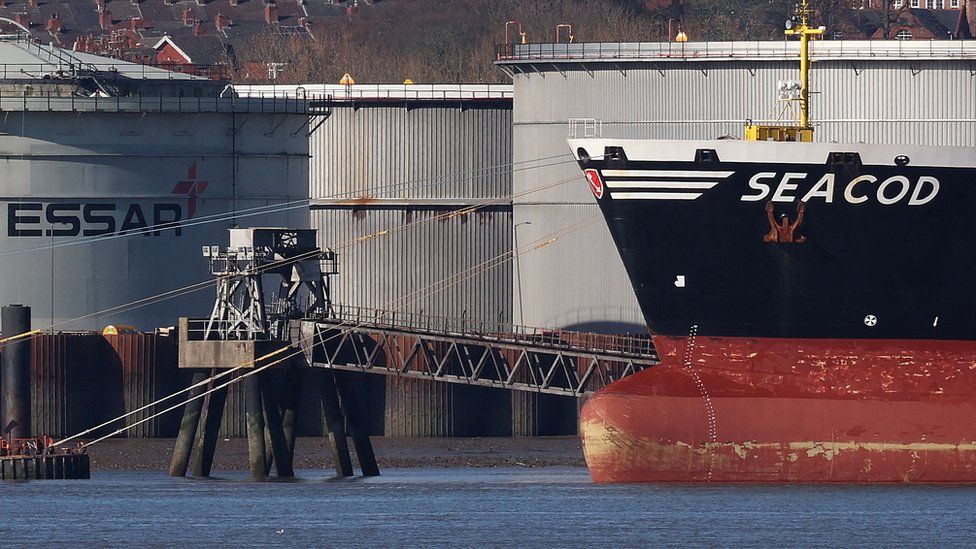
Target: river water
<point>469,507</point>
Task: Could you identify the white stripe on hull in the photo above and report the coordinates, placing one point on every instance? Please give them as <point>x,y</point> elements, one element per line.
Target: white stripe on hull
<point>655,196</point>
<point>666,173</point>
<point>638,184</point>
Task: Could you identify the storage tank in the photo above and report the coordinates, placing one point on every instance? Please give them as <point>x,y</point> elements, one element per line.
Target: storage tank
<point>866,91</point>
<point>398,158</point>
<point>114,175</point>
<point>401,158</point>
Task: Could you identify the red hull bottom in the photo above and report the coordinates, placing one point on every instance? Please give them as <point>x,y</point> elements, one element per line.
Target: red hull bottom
<point>777,410</point>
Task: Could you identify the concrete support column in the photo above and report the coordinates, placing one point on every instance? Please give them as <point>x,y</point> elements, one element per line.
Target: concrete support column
<point>255,427</point>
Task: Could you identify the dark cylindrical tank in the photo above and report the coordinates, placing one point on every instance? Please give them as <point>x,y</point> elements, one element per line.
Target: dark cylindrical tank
<point>15,320</point>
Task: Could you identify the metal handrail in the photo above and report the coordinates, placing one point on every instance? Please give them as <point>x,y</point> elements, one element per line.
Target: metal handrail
<point>40,99</point>
<point>827,49</point>
<point>437,92</point>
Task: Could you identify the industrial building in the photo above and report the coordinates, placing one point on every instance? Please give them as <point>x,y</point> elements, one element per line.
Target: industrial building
<point>876,92</point>
<point>114,175</point>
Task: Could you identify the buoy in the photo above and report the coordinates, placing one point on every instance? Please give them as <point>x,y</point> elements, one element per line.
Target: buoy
<point>681,36</point>
<point>408,82</point>
<point>346,80</point>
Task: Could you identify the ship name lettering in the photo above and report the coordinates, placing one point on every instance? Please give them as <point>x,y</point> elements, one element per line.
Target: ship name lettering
<point>889,191</point>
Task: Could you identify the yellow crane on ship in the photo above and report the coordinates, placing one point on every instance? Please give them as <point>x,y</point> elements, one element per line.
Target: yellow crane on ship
<point>798,25</point>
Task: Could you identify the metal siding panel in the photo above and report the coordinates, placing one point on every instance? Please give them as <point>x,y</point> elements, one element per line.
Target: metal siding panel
<point>149,372</point>
<point>416,153</point>
<point>386,272</point>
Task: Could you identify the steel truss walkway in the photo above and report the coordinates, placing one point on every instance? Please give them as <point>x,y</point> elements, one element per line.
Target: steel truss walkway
<point>461,351</point>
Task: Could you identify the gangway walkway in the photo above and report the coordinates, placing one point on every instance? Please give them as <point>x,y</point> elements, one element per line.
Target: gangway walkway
<point>458,350</point>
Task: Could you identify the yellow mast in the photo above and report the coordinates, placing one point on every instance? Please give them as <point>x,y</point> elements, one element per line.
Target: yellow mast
<point>798,25</point>
<point>805,33</point>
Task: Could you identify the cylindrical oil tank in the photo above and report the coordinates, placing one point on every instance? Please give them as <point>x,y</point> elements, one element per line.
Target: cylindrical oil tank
<point>390,168</point>
<point>866,91</point>
<point>108,200</point>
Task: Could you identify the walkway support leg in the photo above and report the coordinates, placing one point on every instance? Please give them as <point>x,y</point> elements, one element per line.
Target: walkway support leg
<point>355,416</point>
<point>255,426</point>
<point>291,396</point>
<point>213,412</point>
<point>272,415</point>
<point>188,429</point>
<point>333,421</point>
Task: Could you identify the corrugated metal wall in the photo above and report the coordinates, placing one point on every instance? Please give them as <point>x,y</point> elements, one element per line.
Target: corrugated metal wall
<point>405,268</point>
<point>408,153</point>
<point>79,380</point>
<point>917,101</point>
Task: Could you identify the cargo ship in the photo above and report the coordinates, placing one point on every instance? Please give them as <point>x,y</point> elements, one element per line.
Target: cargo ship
<point>813,306</point>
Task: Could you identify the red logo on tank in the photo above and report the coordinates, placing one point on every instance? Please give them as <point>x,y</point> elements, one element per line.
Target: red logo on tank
<point>596,184</point>
<point>192,188</point>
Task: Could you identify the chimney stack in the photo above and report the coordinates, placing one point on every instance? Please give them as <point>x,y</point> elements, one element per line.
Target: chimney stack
<point>198,29</point>
<point>270,12</point>
<point>23,20</point>
<point>188,17</point>
<point>201,2</point>
<point>971,14</point>
<point>32,4</point>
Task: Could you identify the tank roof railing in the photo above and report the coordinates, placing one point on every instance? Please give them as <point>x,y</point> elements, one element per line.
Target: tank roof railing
<point>413,92</point>
<point>726,51</point>
<point>112,72</point>
<point>144,103</point>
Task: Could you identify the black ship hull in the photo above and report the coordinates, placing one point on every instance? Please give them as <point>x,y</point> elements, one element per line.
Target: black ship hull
<point>885,257</point>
